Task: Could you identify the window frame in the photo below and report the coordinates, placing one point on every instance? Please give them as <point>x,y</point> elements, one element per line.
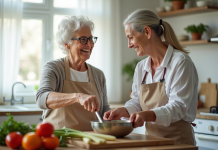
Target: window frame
<point>40,6</point>
<point>45,12</point>
<point>47,48</point>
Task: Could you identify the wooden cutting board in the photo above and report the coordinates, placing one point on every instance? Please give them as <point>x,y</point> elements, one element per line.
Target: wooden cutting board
<point>208,94</point>
<point>131,140</point>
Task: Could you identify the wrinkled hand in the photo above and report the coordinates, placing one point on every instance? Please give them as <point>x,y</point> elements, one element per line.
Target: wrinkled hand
<point>89,102</point>
<point>116,114</point>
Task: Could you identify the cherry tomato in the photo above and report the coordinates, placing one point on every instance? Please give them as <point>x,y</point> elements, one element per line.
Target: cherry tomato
<point>44,129</point>
<point>31,141</point>
<point>13,140</point>
<point>50,142</point>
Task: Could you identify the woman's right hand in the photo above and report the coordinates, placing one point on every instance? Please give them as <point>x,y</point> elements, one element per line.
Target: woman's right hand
<point>89,102</point>
<point>116,114</point>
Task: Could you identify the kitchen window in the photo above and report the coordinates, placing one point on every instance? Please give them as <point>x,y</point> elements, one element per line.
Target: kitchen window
<point>39,41</point>
<point>38,44</point>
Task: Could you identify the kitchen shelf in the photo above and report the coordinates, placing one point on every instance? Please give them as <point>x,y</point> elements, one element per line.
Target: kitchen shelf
<point>194,10</point>
<point>191,42</point>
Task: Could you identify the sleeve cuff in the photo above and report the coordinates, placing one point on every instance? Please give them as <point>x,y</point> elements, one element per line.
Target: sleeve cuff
<point>160,117</point>
<point>42,102</point>
<point>130,109</point>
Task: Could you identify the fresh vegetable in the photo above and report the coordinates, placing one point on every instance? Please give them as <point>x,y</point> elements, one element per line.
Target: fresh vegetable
<point>13,140</point>
<point>50,142</point>
<point>44,129</point>
<point>106,137</point>
<point>65,133</point>
<point>43,136</point>
<point>31,141</point>
<point>11,125</point>
<point>86,140</point>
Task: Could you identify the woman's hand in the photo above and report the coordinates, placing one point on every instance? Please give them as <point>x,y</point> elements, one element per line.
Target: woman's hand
<point>139,118</point>
<point>116,114</point>
<point>89,102</point>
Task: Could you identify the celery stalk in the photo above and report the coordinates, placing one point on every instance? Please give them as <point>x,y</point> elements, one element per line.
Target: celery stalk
<point>75,133</point>
<point>86,140</point>
<point>106,137</point>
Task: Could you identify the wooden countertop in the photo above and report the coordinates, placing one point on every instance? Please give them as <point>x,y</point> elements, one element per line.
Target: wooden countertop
<point>113,106</point>
<point>165,147</point>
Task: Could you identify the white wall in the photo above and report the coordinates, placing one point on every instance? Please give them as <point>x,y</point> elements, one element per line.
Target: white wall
<point>127,7</point>
<point>205,57</point>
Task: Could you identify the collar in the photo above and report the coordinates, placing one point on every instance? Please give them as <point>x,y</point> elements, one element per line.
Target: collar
<point>165,61</point>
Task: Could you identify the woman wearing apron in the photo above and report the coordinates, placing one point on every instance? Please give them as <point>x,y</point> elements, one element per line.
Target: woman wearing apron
<point>164,91</point>
<point>70,89</point>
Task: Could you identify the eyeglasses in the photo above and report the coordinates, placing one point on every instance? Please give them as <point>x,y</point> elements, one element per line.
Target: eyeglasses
<point>84,40</point>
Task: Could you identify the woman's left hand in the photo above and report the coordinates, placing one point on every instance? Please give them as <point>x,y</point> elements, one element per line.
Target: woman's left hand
<point>139,118</point>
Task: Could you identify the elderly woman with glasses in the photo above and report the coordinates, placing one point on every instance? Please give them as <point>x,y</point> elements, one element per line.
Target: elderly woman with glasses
<point>71,90</point>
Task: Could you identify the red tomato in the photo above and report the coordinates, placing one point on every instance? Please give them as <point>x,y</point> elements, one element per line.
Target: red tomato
<point>13,140</point>
<point>50,142</point>
<point>44,129</point>
<point>31,141</point>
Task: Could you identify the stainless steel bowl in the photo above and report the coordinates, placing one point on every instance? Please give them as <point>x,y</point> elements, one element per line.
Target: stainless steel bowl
<point>118,128</point>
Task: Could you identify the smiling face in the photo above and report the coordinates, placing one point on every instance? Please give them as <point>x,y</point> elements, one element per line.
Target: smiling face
<point>138,41</point>
<point>78,51</point>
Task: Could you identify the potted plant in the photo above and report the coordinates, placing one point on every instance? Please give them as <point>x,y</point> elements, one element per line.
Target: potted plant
<point>129,70</point>
<point>196,30</point>
<point>36,87</point>
<point>177,4</point>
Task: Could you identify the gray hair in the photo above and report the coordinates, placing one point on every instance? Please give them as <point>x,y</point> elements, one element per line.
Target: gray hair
<point>143,17</point>
<point>67,28</point>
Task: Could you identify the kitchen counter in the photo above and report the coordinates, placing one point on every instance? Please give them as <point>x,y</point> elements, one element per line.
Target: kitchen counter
<point>38,111</point>
<point>165,147</point>
<point>208,117</point>
<point>20,109</point>
<point>113,106</point>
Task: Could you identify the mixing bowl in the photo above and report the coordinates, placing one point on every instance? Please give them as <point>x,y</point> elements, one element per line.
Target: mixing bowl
<point>118,128</point>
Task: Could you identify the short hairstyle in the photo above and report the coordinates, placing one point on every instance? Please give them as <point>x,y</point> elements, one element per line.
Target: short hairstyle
<point>67,28</point>
<point>144,17</point>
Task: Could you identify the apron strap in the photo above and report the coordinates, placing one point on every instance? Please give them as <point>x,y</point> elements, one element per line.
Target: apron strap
<point>67,68</point>
<point>161,80</point>
<point>143,81</point>
<point>164,73</point>
<point>90,73</point>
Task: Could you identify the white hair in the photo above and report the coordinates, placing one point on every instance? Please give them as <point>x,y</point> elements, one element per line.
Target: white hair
<point>67,28</point>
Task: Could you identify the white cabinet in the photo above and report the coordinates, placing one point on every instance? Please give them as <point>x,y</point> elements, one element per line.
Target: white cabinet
<point>31,119</point>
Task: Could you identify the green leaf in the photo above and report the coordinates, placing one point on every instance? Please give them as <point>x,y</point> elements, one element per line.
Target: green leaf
<point>11,125</point>
<point>201,28</point>
<point>129,69</point>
